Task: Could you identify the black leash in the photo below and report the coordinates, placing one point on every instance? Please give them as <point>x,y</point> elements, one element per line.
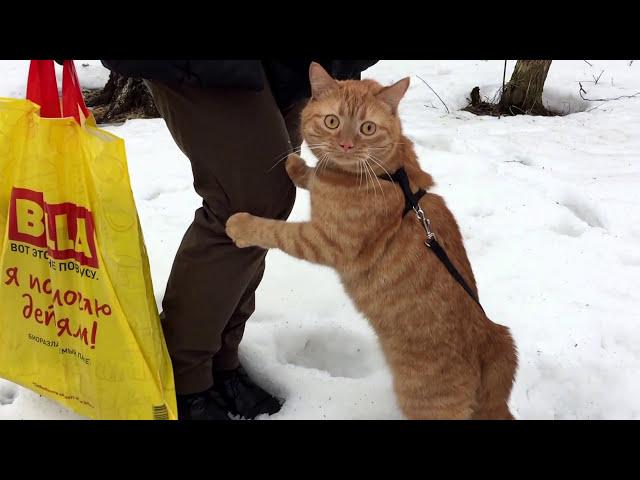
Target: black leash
<point>411,203</point>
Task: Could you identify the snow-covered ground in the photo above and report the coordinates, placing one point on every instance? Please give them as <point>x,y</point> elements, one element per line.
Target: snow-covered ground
<point>550,212</point>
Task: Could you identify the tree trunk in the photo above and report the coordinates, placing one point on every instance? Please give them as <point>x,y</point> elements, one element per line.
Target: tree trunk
<point>523,93</point>
<point>120,99</point>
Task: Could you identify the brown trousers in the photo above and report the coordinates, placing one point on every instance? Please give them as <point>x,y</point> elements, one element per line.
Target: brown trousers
<point>232,138</point>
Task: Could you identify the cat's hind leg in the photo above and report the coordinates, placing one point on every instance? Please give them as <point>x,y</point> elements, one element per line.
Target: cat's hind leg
<point>434,394</point>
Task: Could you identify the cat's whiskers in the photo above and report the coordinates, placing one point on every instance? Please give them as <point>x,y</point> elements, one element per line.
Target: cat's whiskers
<point>326,163</point>
<point>365,175</point>
<point>373,159</point>
<point>367,170</point>
<point>319,153</point>
<point>319,165</point>
<point>375,177</point>
<point>384,149</point>
<point>315,171</point>
<point>297,151</point>
<point>387,145</point>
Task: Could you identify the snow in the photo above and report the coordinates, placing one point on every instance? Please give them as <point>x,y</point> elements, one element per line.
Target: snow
<point>549,210</point>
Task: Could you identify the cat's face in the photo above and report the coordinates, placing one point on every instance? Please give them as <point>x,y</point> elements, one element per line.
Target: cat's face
<point>353,122</point>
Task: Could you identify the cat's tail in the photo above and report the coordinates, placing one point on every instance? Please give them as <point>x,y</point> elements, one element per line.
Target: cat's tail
<point>499,364</point>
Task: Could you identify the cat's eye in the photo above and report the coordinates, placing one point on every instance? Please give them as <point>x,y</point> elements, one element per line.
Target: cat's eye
<point>331,121</point>
<point>368,128</point>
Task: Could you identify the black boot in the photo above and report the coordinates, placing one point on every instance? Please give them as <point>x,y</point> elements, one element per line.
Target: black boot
<point>207,405</point>
<point>242,396</point>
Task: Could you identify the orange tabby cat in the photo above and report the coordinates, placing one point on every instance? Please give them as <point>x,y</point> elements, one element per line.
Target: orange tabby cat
<point>448,360</point>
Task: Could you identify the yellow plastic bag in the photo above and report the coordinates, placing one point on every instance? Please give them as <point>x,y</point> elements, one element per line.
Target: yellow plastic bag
<point>78,319</point>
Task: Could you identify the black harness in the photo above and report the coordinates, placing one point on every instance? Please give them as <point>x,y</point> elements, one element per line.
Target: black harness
<point>411,203</point>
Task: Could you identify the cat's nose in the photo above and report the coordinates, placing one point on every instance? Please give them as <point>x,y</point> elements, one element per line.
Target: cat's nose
<point>346,146</point>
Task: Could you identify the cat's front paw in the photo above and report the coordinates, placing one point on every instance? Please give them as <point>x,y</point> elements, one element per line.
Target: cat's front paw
<point>296,167</point>
<point>240,228</point>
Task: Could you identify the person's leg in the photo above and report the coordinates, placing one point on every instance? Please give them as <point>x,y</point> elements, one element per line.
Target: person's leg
<point>232,138</point>
<point>242,395</point>
<point>227,356</point>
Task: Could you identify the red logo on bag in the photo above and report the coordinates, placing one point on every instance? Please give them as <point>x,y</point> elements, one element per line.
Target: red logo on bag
<point>66,230</point>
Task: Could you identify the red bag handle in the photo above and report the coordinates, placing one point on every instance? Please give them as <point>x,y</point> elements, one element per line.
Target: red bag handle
<point>42,89</point>
<point>72,98</point>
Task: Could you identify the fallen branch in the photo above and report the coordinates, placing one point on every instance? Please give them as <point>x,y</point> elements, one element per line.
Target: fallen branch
<point>445,105</point>
<point>587,63</point>
<point>596,79</point>
<point>581,89</point>
<point>604,99</point>
<point>597,106</point>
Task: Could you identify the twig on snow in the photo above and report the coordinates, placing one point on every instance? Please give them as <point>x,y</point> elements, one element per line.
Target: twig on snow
<point>445,105</point>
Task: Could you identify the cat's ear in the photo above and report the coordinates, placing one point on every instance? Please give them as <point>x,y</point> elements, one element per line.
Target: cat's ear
<point>393,94</point>
<point>321,81</point>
